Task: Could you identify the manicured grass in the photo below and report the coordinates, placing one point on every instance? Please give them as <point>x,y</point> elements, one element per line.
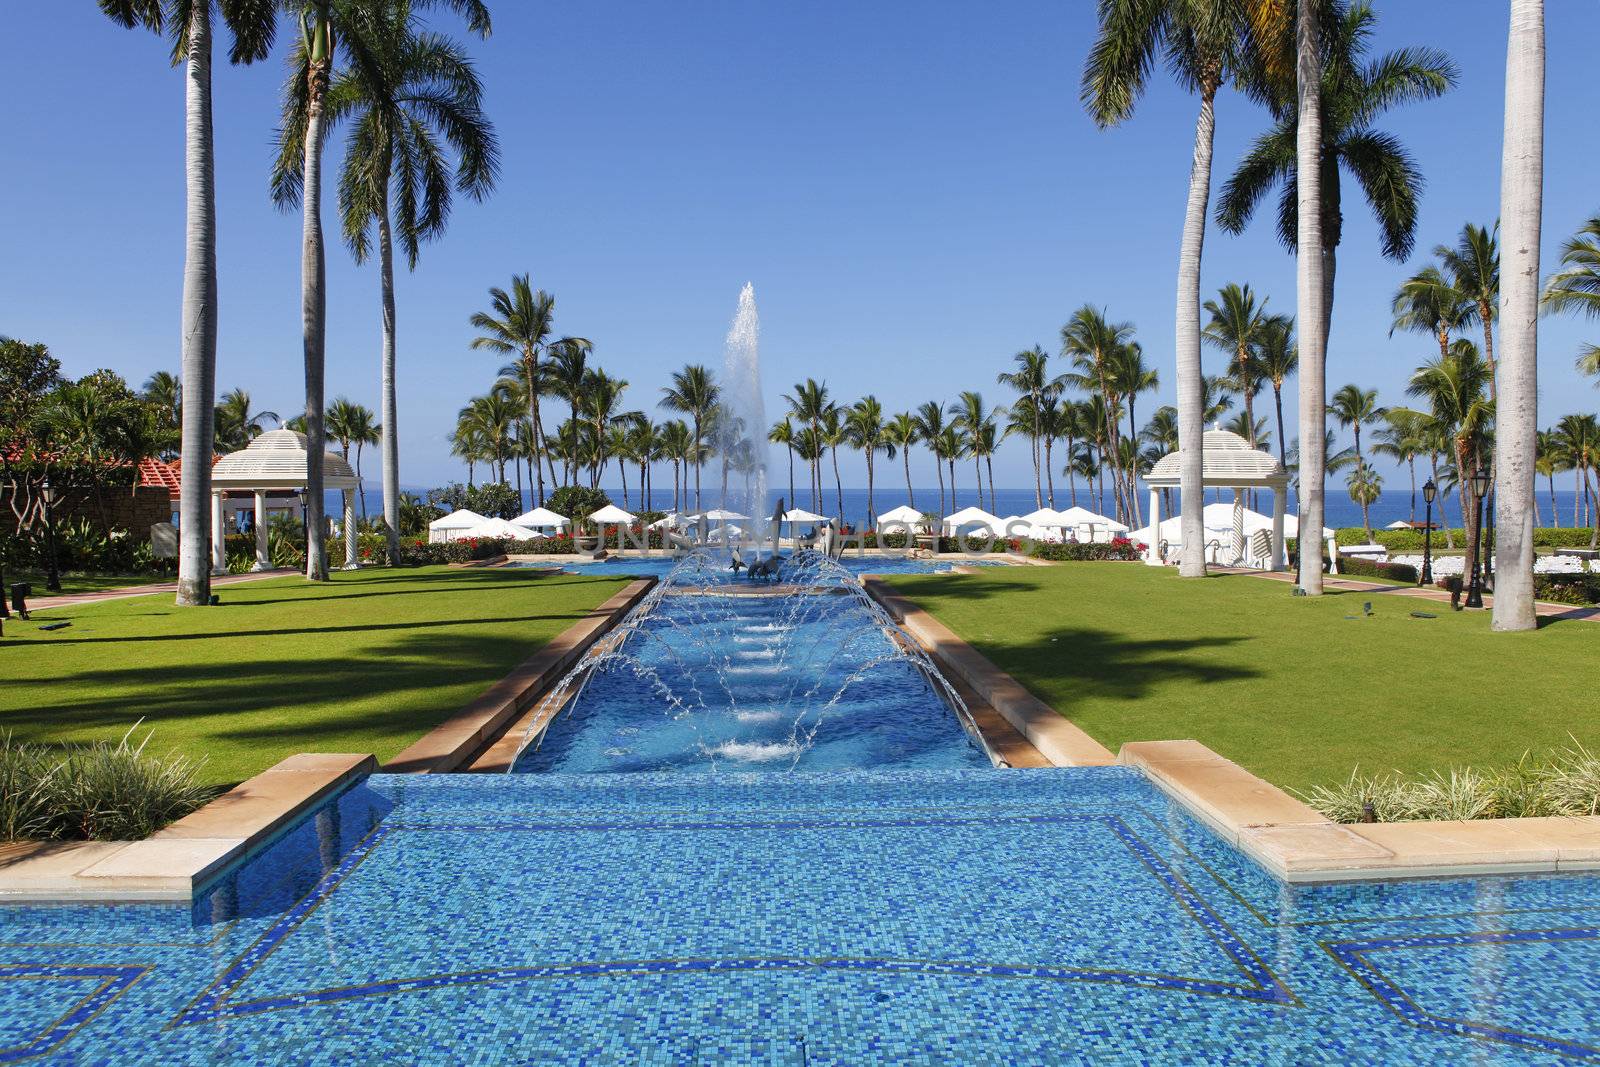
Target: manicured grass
<point>367,662</point>
<point>1292,688</point>
<point>83,583</point>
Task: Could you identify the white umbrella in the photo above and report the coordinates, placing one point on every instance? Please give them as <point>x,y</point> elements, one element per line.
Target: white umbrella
<point>719,515</point>
<point>610,514</point>
<point>802,515</point>
<point>971,517</point>
<point>499,528</point>
<point>671,521</point>
<point>1043,517</point>
<point>540,518</point>
<point>904,514</point>
<point>449,527</point>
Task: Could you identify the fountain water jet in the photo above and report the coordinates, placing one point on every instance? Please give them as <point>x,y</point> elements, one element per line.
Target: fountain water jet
<point>741,433</point>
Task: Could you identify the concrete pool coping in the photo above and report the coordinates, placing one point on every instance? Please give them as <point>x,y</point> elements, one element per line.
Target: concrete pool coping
<point>177,862</point>
<point>1297,843</point>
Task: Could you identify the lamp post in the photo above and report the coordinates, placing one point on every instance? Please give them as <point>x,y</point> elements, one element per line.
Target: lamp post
<point>52,571</point>
<point>1429,491</point>
<point>1480,488</point>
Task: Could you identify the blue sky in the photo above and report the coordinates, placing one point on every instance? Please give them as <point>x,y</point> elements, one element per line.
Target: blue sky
<point>912,187</point>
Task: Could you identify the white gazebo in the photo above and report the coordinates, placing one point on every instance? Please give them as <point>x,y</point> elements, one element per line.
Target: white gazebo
<point>1227,462</point>
<point>276,460</point>
<point>904,515</point>
<point>501,529</point>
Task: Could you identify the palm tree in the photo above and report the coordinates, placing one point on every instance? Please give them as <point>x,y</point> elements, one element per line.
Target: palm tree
<point>236,424</point>
<point>1356,407</point>
<point>1517,403</point>
<point>354,424</point>
<point>1578,437</point>
<point>565,372</point>
<point>1202,43</point>
<point>1093,343</point>
<point>163,391</point>
<point>1061,420</point>
<point>493,417</point>
<point>901,433</point>
<point>1277,357</point>
<point>949,446</point>
<point>1428,302</point>
<point>675,449</point>
<point>520,324</point>
<point>1314,272</point>
<point>1403,439</point>
<point>868,432</point>
<point>602,397</point>
<point>1547,466</point>
<point>1237,327</point>
<point>1032,380</point>
<point>252,26</point>
<point>835,432</point>
<point>694,392</point>
<point>1129,378</point>
<point>809,405</point>
<point>930,429</point>
<point>1455,388</point>
<point>1576,286</point>
<point>1161,433</point>
<point>782,433</point>
<point>1473,267</point>
<point>971,418</point>
<point>405,123</point>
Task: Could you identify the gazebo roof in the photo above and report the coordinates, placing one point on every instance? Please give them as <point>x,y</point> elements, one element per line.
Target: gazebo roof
<point>277,460</point>
<point>1228,461</point>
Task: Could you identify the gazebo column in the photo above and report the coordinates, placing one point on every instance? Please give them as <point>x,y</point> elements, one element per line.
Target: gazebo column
<point>1152,551</point>
<point>219,544</point>
<point>1280,559</point>
<point>350,562</point>
<point>262,562</point>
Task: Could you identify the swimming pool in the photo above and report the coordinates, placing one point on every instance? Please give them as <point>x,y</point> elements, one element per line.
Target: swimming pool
<point>722,573</point>
<point>959,916</point>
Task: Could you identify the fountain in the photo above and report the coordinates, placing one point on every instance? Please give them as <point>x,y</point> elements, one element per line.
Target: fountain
<point>741,432</point>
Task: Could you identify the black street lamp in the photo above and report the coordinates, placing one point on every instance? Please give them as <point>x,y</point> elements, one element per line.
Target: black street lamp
<point>52,571</point>
<point>1429,491</point>
<point>1480,489</point>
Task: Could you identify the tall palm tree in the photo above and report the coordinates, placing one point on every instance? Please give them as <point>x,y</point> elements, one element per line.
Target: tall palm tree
<point>566,371</point>
<point>868,432</point>
<point>252,26</point>
<point>520,323</point>
<point>1093,343</point>
<point>1355,407</point>
<point>1314,272</point>
<point>930,429</point>
<point>1130,377</point>
<point>354,424</point>
<point>809,405</point>
<point>1277,357</point>
<point>835,432</point>
<point>971,419</point>
<point>693,392</point>
<point>236,424</point>
<point>602,401</point>
<point>1517,399</point>
<point>1576,286</point>
<point>1060,419</point>
<point>403,128</point>
<point>1455,388</point>
<point>900,433</point>
<point>950,446</point>
<point>782,433</point>
<point>675,449</point>
<point>1033,381</point>
<point>1473,267</point>
<point>1403,439</point>
<point>163,391</point>
<point>1237,327</point>
<point>1201,41</point>
<point>1550,463</point>
<point>1428,302</point>
<point>1161,433</point>
<point>1578,437</point>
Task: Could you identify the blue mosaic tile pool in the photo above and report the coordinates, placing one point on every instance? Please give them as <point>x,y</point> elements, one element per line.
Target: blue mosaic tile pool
<point>950,916</point>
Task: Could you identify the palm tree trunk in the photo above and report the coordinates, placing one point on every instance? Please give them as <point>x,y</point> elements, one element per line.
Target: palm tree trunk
<point>938,468</point>
<point>199,318</point>
<point>1469,514</point>
<point>872,511</point>
<point>1313,276</point>
<point>1277,399</point>
<point>838,486</point>
<point>905,459</point>
<point>988,461</point>
<point>1191,415</point>
<point>389,446</point>
<point>790,449</point>
<point>313,313</point>
<point>530,360</point>
<point>1411,462</point>
<point>361,490</point>
<point>1049,474</point>
<point>1517,404</point>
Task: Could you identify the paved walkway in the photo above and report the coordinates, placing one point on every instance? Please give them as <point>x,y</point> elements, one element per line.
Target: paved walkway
<point>72,600</point>
<point>1438,596</point>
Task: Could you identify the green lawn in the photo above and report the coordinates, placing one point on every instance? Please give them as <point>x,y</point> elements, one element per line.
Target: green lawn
<point>1294,689</point>
<point>365,663</point>
<point>83,583</point>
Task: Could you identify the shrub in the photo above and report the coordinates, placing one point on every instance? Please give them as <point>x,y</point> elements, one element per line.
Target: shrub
<point>1580,589</point>
<point>1411,540</point>
<point>96,792</point>
<point>1371,568</point>
<point>1567,783</point>
<point>1120,549</point>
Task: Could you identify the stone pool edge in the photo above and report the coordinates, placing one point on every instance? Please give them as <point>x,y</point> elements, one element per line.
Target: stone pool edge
<point>175,863</point>
<point>1296,843</point>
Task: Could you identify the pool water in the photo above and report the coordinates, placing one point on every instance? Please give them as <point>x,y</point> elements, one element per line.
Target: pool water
<point>722,572</point>
<point>708,682</point>
<point>950,916</point>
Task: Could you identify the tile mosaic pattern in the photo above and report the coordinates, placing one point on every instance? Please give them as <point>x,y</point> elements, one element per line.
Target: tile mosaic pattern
<point>1050,916</point>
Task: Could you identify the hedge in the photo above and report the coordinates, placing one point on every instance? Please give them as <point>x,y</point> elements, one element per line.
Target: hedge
<point>1121,549</point>
<point>418,553</point>
<point>1580,589</point>
<point>1411,540</point>
<point>1400,572</point>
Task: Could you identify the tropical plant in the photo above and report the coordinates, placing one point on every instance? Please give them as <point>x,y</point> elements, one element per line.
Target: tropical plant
<point>1578,439</point>
<point>782,433</point>
<point>1455,388</point>
<point>809,405</point>
<point>1033,382</point>
<point>693,392</point>
<point>521,323</point>
<point>354,424</point>
<point>930,431</point>
<point>252,26</point>
<point>869,434</point>
<point>1277,357</point>
<point>1094,344</point>
<point>236,423</point>
<point>1238,327</point>
<point>1403,438</point>
<point>1576,286</point>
